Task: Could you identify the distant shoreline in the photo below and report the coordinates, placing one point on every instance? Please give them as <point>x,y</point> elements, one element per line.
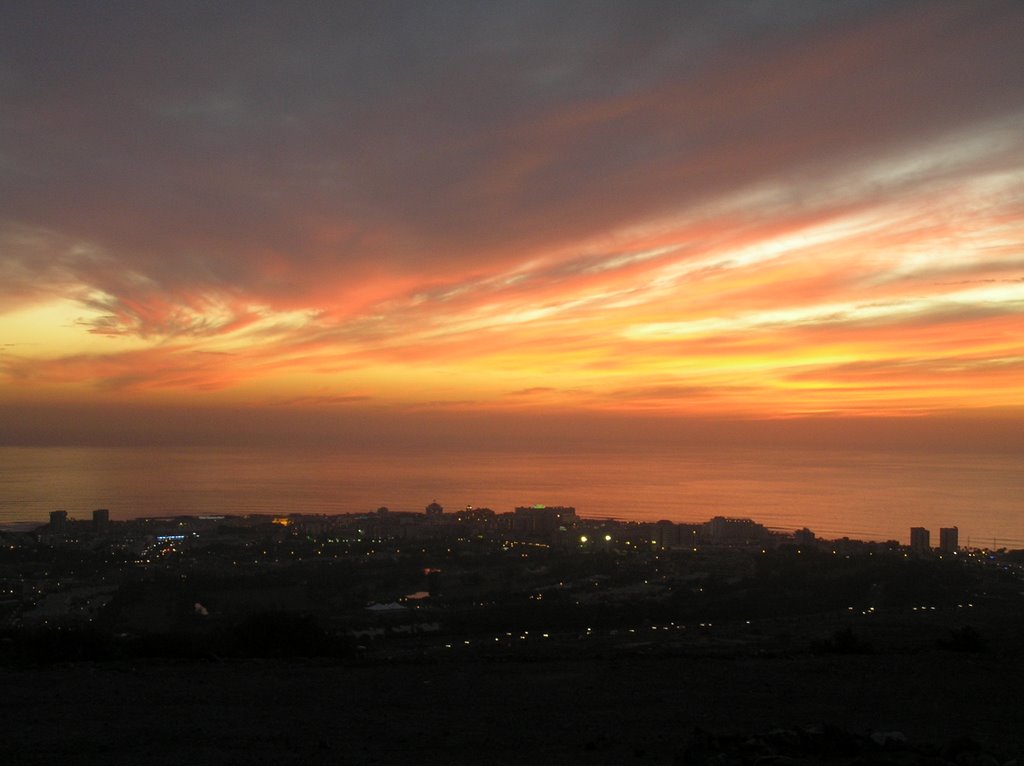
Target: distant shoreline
<point>26,526</point>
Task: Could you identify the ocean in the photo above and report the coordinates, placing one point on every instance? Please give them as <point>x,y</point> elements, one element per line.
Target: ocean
<point>863,494</point>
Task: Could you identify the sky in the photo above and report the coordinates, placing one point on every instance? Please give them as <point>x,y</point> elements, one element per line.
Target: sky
<point>429,220</point>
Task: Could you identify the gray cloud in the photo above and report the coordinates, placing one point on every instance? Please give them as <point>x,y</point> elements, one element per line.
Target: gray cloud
<point>274,148</point>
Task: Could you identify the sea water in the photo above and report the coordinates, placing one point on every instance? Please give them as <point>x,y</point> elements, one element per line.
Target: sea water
<point>863,494</point>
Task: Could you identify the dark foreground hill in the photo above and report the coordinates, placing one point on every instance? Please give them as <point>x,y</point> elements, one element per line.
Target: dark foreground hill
<point>924,703</point>
<point>518,656</point>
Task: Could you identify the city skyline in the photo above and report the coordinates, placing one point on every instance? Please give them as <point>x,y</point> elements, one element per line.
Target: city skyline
<point>788,222</point>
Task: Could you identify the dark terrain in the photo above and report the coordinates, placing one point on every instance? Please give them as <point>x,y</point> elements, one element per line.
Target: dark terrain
<point>636,704</point>
<point>521,654</point>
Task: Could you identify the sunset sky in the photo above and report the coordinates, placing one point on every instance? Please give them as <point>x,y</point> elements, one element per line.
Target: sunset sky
<point>477,213</point>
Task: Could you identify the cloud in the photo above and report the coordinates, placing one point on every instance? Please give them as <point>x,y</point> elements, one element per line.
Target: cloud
<point>531,391</point>
<point>172,368</point>
<point>672,205</point>
<point>320,400</point>
<point>357,136</point>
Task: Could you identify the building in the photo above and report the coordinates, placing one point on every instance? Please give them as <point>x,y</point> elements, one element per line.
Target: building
<point>665,534</point>
<point>949,539</point>
<point>58,521</point>
<point>100,520</point>
<point>723,530</point>
<point>543,519</point>
<point>669,534</point>
<point>920,540</point>
<point>475,515</point>
<point>434,510</point>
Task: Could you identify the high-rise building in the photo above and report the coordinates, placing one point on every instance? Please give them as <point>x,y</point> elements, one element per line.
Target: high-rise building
<point>665,534</point>
<point>100,520</point>
<point>58,521</point>
<point>949,539</point>
<point>920,540</point>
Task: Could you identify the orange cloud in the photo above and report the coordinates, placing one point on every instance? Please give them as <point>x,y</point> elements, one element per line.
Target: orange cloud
<point>760,220</point>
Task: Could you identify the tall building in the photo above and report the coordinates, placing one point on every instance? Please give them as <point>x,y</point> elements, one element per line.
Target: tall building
<point>100,520</point>
<point>58,521</point>
<point>665,534</point>
<point>949,539</point>
<point>920,540</point>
